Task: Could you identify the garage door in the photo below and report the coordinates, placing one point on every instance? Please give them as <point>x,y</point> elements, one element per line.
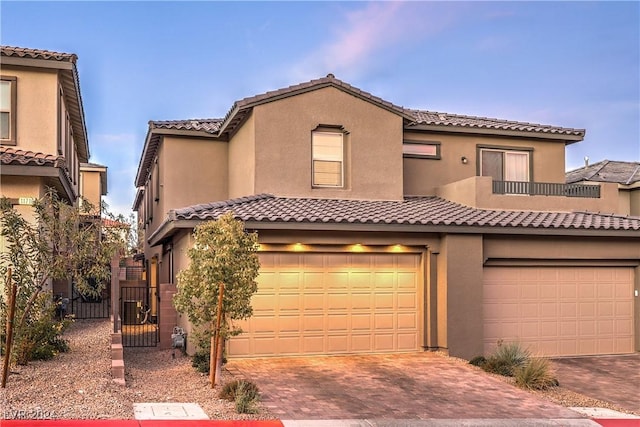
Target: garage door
<point>560,311</point>
<point>333,303</point>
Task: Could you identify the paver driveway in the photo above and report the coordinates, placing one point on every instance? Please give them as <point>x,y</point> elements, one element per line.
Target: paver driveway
<point>614,379</point>
<point>399,386</point>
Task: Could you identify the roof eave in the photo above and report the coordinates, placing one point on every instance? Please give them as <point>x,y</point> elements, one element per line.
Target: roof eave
<point>563,137</point>
<point>171,227</point>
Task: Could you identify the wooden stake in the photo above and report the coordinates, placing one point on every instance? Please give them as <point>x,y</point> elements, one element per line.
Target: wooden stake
<point>215,339</point>
<point>9,336</point>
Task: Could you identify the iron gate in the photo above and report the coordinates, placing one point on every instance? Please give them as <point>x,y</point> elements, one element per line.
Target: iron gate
<point>139,316</point>
<point>90,306</point>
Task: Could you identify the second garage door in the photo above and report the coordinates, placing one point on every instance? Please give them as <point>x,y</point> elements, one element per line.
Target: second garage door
<point>560,311</point>
<point>333,303</point>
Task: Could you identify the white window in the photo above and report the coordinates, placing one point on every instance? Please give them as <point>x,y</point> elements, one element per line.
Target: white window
<point>328,159</point>
<point>8,110</point>
<point>505,165</point>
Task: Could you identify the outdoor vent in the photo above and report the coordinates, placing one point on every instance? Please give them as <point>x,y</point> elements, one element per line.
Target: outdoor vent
<point>178,338</point>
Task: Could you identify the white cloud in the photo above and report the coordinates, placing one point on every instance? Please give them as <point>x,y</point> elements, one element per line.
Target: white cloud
<point>367,34</point>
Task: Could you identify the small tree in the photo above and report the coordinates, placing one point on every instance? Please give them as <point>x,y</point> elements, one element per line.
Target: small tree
<point>61,242</point>
<point>223,253</point>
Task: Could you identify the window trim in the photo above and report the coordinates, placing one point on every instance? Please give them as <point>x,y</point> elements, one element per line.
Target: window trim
<point>13,80</point>
<point>503,149</point>
<point>436,156</point>
<point>332,130</point>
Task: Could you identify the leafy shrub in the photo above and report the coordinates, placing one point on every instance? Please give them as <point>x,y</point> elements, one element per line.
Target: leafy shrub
<point>201,361</point>
<point>232,389</point>
<point>42,338</point>
<point>506,359</point>
<point>478,361</point>
<point>535,374</point>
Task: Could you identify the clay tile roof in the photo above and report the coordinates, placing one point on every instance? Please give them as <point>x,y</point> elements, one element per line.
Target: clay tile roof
<point>425,211</point>
<point>456,120</point>
<point>23,52</point>
<point>606,171</point>
<point>11,156</point>
<point>208,125</point>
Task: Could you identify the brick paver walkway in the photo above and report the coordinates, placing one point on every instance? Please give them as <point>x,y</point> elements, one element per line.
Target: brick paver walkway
<point>400,386</point>
<point>614,379</point>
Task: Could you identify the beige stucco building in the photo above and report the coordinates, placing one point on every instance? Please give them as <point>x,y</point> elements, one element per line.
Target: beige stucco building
<point>43,137</point>
<point>386,229</point>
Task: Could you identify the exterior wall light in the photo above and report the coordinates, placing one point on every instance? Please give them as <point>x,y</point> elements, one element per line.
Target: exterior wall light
<point>357,248</point>
<point>464,160</point>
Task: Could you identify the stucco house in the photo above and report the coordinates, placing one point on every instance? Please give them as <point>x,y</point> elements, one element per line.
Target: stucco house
<point>626,175</point>
<point>43,136</point>
<point>387,229</point>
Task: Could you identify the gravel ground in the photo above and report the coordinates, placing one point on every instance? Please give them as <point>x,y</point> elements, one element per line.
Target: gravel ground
<point>78,385</point>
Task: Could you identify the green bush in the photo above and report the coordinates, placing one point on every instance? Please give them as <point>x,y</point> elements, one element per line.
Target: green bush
<point>478,361</point>
<point>232,389</point>
<point>506,359</point>
<point>535,374</point>
<point>42,338</point>
<point>201,361</point>
<point>246,397</point>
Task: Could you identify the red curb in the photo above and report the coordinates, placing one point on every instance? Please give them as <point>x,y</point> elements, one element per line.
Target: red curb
<point>139,423</point>
<point>618,422</point>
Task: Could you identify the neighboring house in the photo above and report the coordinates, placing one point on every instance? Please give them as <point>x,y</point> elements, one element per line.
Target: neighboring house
<point>43,137</point>
<point>385,229</point>
<point>625,174</point>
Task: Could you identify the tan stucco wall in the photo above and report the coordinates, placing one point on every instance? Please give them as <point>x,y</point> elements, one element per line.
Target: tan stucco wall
<point>423,176</point>
<point>373,166</point>
<point>37,108</point>
<point>242,160</point>
<point>634,202</point>
<point>459,300</point>
<point>192,171</point>
<point>477,192</point>
<point>91,187</point>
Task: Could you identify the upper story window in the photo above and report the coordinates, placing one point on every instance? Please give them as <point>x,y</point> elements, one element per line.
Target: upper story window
<point>327,151</point>
<point>8,106</point>
<point>421,149</point>
<point>505,164</point>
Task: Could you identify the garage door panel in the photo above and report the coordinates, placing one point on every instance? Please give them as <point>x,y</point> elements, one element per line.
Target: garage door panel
<point>333,303</point>
<point>591,313</point>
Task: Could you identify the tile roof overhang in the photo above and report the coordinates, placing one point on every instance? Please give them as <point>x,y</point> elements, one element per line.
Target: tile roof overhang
<point>66,64</point>
<point>445,122</point>
<point>422,214</point>
<point>625,173</point>
<point>15,162</point>
<point>203,128</point>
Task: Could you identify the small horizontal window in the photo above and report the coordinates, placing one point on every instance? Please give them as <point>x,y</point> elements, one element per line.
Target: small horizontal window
<point>421,150</point>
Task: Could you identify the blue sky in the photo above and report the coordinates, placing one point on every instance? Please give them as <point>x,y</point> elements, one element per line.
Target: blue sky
<point>573,64</point>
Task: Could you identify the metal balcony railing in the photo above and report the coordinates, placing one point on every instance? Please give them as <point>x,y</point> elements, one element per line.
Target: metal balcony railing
<point>546,189</point>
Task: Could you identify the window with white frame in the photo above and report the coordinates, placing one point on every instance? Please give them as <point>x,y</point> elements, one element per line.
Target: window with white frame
<point>505,165</point>
<point>327,150</point>
<point>8,110</point>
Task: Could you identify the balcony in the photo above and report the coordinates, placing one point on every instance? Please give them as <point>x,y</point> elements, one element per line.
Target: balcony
<point>482,192</point>
<point>546,189</point>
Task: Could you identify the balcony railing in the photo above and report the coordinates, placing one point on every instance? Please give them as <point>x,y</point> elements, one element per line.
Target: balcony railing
<point>546,189</point>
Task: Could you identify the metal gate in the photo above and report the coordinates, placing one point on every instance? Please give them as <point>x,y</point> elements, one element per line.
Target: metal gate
<point>139,315</point>
<point>90,306</point>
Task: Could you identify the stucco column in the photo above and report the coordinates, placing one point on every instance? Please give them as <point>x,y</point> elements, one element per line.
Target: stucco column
<point>168,314</point>
<point>459,295</point>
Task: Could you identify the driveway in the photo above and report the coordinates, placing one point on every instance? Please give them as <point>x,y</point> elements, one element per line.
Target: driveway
<point>614,379</point>
<point>399,386</point>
